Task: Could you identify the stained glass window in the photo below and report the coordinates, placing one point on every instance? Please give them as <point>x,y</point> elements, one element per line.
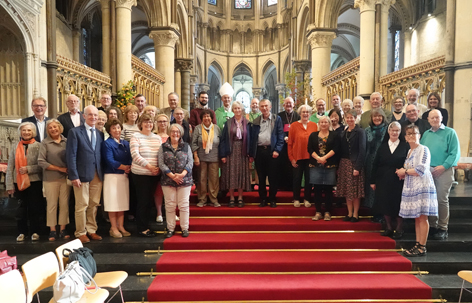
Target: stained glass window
<point>243,3</point>
<point>271,2</point>
<point>85,45</point>
<point>397,51</point>
<point>212,2</point>
<point>245,99</point>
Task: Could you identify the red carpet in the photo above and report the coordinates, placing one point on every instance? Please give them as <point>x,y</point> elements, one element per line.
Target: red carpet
<point>280,285</point>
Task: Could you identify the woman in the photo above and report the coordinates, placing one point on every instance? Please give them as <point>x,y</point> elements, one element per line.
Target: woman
<point>130,127</point>
<point>234,141</point>
<point>347,105</point>
<point>398,114</point>
<point>336,118</point>
<point>358,105</point>
<point>144,168</point>
<point>351,167</point>
<point>322,147</point>
<point>205,143</point>
<point>434,102</point>
<point>176,162</point>
<point>102,119</point>
<point>23,179</point>
<point>375,133</point>
<point>116,167</point>
<point>151,110</point>
<point>52,159</point>
<point>419,199</point>
<point>114,113</point>
<point>385,183</point>
<point>298,153</point>
<point>162,129</point>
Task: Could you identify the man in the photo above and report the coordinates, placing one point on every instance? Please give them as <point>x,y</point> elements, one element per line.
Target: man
<point>267,141</point>
<point>85,172</point>
<point>173,100</point>
<point>224,113</point>
<point>39,107</point>
<point>179,119</point>
<point>255,112</point>
<point>201,105</point>
<point>288,116</point>
<point>140,102</point>
<point>412,116</point>
<point>443,144</point>
<point>73,118</point>
<point>412,97</point>
<point>105,101</point>
<point>320,104</point>
<point>336,102</point>
<point>376,101</point>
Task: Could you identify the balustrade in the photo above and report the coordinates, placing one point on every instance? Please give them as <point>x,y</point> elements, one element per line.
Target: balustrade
<point>342,81</point>
<point>148,81</point>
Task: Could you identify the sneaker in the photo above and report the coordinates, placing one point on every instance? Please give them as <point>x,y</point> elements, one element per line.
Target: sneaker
<point>20,238</point>
<point>216,204</point>
<point>327,216</point>
<point>317,216</point>
<point>35,237</point>
<point>307,204</point>
<point>201,204</point>
<point>159,219</point>
<point>296,203</point>
<point>177,218</point>
<point>441,234</point>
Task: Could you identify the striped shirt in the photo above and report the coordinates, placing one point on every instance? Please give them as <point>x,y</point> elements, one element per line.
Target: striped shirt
<point>128,131</point>
<point>144,151</point>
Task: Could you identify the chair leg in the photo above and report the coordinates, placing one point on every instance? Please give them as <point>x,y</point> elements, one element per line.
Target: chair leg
<point>121,293</point>
<point>462,288</point>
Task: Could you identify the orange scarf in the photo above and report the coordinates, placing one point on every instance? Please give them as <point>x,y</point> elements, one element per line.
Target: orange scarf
<point>22,181</point>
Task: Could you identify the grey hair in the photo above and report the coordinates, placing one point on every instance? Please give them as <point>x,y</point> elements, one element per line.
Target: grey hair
<point>305,106</point>
<point>377,93</point>
<point>394,123</point>
<point>179,127</point>
<point>30,124</point>
<point>347,101</point>
<point>54,120</point>
<point>415,90</point>
<point>358,98</point>
<point>266,100</point>
<point>237,103</point>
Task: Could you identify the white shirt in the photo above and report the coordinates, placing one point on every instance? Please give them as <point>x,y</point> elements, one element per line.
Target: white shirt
<point>41,125</point>
<point>89,132</point>
<point>75,118</point>
<point>393,145</point>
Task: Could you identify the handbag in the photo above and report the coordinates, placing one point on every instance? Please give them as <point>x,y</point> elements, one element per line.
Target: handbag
<point>85,257</point>
<point>69,287</point>
<point>7,263</point>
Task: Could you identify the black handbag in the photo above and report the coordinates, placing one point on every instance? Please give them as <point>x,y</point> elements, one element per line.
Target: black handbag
<point>9,208</point>
<point>85,257</point>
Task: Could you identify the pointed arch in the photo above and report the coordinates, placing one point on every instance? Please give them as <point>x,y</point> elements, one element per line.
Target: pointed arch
<point>240,68</point>
<point>182,21</point>
<point>303,49</point>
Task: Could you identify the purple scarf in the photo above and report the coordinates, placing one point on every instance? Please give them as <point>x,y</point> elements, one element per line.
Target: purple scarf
<point>234,132</point>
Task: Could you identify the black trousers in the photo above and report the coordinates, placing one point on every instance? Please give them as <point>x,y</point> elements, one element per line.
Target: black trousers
<point>32,208</point>
<point>328,191</point>
<point>298,172</point>
<point>145,188</point>
<point>267,166</point>
<point>285,170</point>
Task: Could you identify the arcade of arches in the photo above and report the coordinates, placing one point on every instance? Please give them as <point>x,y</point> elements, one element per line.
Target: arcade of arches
<point>53,48</point>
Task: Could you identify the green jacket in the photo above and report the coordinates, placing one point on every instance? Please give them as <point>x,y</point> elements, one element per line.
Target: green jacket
<point>222,116</point>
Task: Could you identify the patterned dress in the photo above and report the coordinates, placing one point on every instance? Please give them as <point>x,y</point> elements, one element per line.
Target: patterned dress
<point>419,193</point>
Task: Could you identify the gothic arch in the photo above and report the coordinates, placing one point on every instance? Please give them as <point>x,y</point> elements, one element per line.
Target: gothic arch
<point>327,12</point>
<point>303,49</point>
<point>158,12</point>
<point>217,65</point>
<point>85,8</point>
<point>182,46</point>
<point>241,66</point>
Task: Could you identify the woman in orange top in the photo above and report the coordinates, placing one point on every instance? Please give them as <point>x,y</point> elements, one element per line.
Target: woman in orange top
<point>298,153</point>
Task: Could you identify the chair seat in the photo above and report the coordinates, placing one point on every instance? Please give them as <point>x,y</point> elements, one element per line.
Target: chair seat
<point>99,297</point>
<point>110,279</point>
<point>466,275</point>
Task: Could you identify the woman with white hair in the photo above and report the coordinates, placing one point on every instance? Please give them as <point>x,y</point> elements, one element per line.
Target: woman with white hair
<point>358,102</point>
<point>347,105</point>
<point>24,180</point>
<point>298,153</point>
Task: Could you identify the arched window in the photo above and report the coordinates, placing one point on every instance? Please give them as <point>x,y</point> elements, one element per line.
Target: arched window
<point>242,3</point>
<point>245,99</point>
<point>397,51</point>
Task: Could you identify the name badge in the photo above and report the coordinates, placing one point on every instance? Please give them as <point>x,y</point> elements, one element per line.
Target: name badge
<point>286,127</point>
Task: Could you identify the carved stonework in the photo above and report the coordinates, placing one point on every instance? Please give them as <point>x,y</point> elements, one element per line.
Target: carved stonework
<point>164,38</point>
<point>386,3</point>
<point>203,87</point>
<point>365,5</point>
<point>257,92</point>
<point>184,64</point>
<point>320,39</point>
<point>125,4</point>
<point>280,88</point>
<point>302,65</point>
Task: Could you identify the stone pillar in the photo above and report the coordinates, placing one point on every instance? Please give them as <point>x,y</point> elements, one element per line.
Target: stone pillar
<point>321,42</point>
<point>185,65</point>
<point>51,57</point>
<point>281,91</point>
<point>449,66</point>
<point>76,34</point>
<point>365,83</point>
<point>407,48</point>
<point>177,80</point>
<point>113,47</point>
<point>164,43</point>
<point>123,41</point>
<point>385,6</point>
<point>193,90</point>
<point>106,29</point>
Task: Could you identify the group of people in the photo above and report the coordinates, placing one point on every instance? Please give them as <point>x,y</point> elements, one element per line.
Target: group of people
<point>401,165</point>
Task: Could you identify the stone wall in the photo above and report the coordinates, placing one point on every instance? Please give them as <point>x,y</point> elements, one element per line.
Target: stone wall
<point>64,39</point>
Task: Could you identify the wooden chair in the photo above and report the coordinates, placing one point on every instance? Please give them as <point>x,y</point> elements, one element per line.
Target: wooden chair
<point>466,275</point>
<point>41,272</point>
<point>110,279</point>
<point>12,287</point>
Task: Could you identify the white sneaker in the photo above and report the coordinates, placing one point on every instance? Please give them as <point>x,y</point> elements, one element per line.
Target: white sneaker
<point>159,219</point>
<point>296,203</point>
<point>317,216</point>
<point>176,218</point>
<point>307,204</point>
<point>35,237</point>
<point>20,238</point>
<point>201,204</point>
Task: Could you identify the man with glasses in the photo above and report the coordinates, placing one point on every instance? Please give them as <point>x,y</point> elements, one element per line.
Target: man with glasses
<point>412,117</point>
<point>39,107</point>
<point>199,106</point>
<point>412,97</point>
<point>73,117</point>
<point>105,101</point>
<point>173,101</point>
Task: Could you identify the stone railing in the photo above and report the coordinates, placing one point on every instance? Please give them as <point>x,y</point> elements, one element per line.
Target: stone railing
<point>342,81</point>
<point>148,81</point>
<point>85,82</point>
<point>427,77</point>
<point>8,138</point>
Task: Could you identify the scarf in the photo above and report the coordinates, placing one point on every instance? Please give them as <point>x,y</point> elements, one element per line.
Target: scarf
<point>378,131</point>
<point>22,181</point>
<point>207,140</point>
<point>236,128</point>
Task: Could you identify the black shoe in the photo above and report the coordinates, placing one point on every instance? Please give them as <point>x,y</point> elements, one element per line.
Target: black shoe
<point>387,233</point>
<point>347,219</point>
<point>231,203</point>
<point>273,204</point>
<point>170,233</point>
<point>432,232</point>
<point>240,203</point>
<point>398,234</point>
<point>185,233</point>
<point>354,219</point>
<point>441,234</point>
<point>263,203</point>
<point>147,234</point>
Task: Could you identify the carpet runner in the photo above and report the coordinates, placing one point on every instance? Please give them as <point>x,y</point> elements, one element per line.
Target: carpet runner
<point>271,275</point>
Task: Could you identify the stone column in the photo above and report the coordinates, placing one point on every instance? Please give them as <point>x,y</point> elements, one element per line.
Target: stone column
<point>385,6</point>
<point>123,41</point>
<point>281,91</point>
<point>185,65</point>
<point>76,34</point>
<point>449,66</point>
<point>177,80</point>
<point>321,42</point>
<point>365,83</point>
<point>407,48</point>
<point>51,57</point>
<point>164,43</point>
<point>106,29</point>
<point>193,90</point>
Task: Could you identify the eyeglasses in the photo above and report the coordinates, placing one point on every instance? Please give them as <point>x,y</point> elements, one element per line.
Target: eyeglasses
<point>147,122</point>
<point>412,134</point>
<point>39,106</point>
<point>73,101</point>
<point>175,132</point>
<point>162,121</point>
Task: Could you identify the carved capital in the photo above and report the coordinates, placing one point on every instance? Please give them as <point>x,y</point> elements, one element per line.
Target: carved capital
<point>280,88</point>
<point>320,39</point>
<point>193,79</point>
<point>164,38</point>
<point>257,92</point>
<point>302,65</point>
<point>184,64</point>
<point>203,87</point>
<point>386,3</point>
<point>365,5</point>
<point>125,4</point>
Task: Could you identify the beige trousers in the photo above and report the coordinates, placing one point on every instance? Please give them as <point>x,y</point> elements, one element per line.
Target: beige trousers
<point>209,182</point>
<point>177,196</point>
<point>57,193</point>
<point>87,199</point>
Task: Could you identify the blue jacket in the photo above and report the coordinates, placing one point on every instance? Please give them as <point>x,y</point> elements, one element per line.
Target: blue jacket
<point>114,155</point>
<point>226,144</point>
<point>82,160</point>
<point>276,137</point>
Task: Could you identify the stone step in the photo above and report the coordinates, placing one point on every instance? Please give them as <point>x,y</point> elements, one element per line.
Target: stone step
<point>456,225</point>
<point>456,242</point>
<point>443,263</point>
<point>446,286</point>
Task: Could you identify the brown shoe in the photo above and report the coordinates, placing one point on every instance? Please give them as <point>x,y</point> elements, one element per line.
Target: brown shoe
<point>84,239</point>
<point>94,236</point>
